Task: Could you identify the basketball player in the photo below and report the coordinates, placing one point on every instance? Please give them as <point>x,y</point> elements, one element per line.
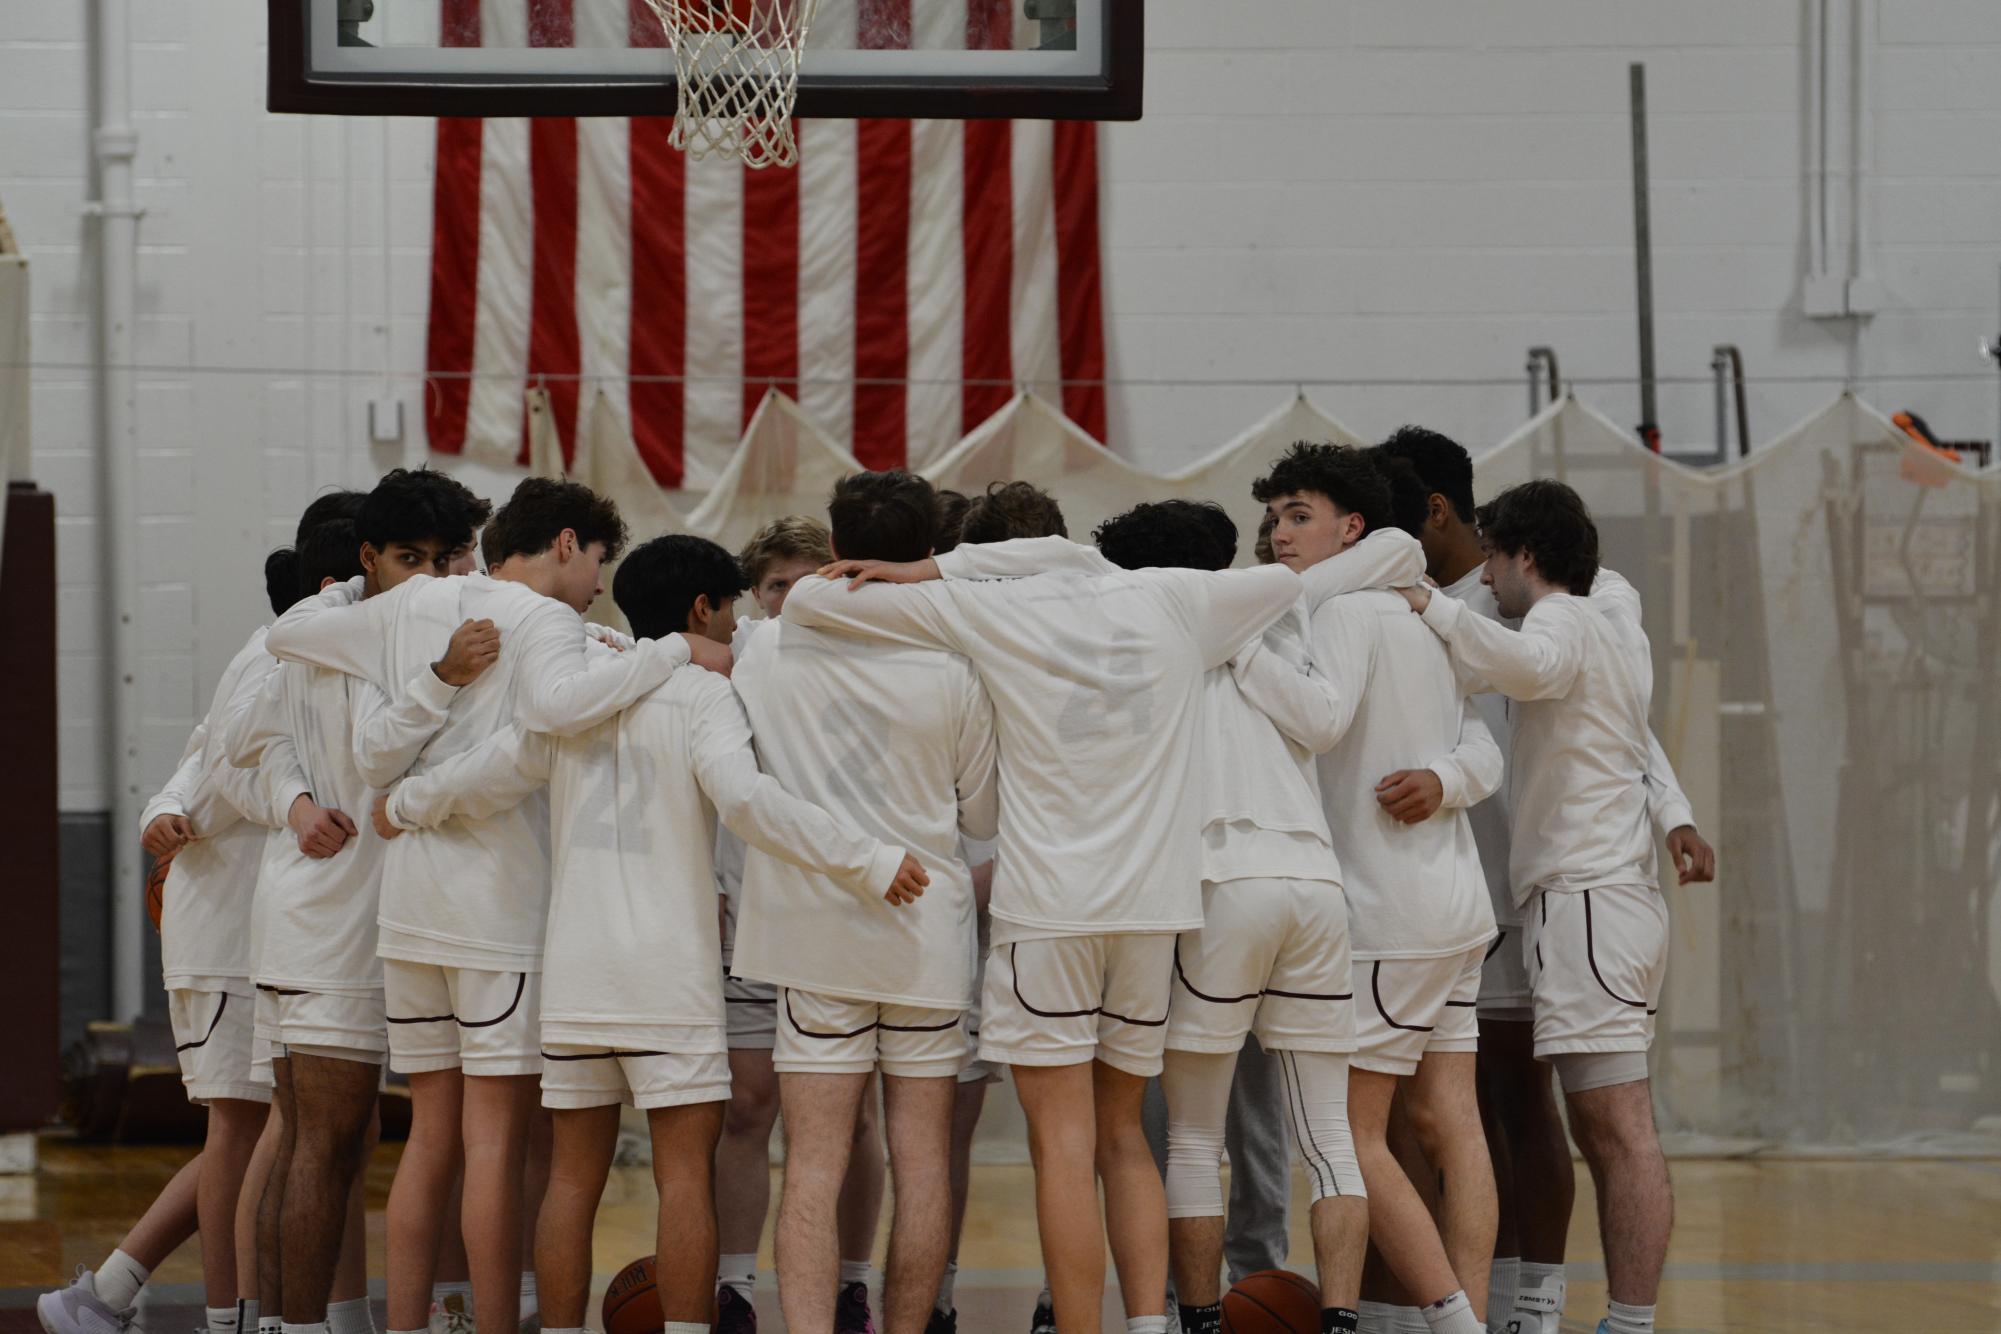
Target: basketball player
<point>318,961</point>
<point>1401,757</point>
<point>1582,860</point>
<point>1525,1134</point>
<point>632,1012</point>
<point>464,907</point>
<point>874,987</point>
<point>1088,675</point>
<point>777,555</point>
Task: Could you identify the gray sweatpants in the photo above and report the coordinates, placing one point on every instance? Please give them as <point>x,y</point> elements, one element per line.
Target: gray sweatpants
<point>1256,1234</point>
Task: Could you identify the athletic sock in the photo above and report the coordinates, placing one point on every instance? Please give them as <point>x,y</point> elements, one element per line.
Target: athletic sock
<point>1339,1320</point>
<point>453,1296</point>
<point>246,1315</point>
<point>350,1317</point>
<point>270,1324</point>
<point>581,1330</point>
<point>1453,1315</point>
<point>221,1319</point>
<point>1146,1324</point>
<point>119,1279</point>
<point>738,1273</point>
<point>946,1281</point>
<point>854,1271</point>
<point>1201,1319</point>
<point>1044,1299</point>
<point>1539,1298</point>
<point>684,1327</point>
<point>1504,1280</point>
<point>1378,1318</point>
<point>531,1303</point>
<point>1623,1319</point>
<point>318,1327</point>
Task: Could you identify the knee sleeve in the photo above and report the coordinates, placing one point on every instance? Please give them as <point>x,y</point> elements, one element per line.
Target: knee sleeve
<point>1582,1070</point>
<point>1197,1087</point>
<point>1316,1100</point>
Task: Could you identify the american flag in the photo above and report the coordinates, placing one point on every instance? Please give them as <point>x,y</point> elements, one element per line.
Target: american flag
<point>902,282</point>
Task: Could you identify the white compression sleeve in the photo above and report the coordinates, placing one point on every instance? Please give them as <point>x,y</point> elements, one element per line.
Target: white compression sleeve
<point>1316,1101</point>
<point>1197,1085</point>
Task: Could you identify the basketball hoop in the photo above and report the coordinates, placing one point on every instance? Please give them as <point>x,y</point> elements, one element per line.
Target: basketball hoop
<point>736,72</point>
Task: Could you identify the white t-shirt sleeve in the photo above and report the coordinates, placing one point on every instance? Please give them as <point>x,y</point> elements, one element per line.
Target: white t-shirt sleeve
<point>1224,610</point>
<point>1472,771</point>
<point>1538,661</point>
<point>336,628</point>
<point>568,689</point>
<point>978,778</point>
<point>1019,557</point>
<point>388,736</point>
<point>915,614</point>
<point>757,810</point>
<point>498,774</point>
<point>1385,558</point>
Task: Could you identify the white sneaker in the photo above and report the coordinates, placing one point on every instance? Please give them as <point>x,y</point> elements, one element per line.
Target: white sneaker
<point>77,1309</point>
<point>451,1316</point>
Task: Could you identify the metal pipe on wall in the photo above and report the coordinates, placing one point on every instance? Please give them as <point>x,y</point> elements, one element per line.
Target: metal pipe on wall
<point>116,142</point>
<point>1643,257</point>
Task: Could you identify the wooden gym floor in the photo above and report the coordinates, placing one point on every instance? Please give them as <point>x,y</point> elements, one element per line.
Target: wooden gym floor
<point>1759,1245</point>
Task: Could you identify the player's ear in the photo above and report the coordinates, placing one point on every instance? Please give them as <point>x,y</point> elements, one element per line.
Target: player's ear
<point>1434,510</point>
<point>700,614</point>
<point>370,557</point>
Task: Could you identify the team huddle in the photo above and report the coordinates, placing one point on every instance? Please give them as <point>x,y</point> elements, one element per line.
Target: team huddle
<point>966,795</point>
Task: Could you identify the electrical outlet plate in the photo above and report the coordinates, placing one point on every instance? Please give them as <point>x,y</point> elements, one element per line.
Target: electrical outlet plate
<point>1825,296</point>
<point>385,421</point>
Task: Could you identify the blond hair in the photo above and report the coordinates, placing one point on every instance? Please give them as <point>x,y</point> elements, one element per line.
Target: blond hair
<point>794,537</point>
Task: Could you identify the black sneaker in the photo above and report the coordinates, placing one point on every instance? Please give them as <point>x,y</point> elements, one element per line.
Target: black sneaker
<point>734,1314</point>
<point>1044,1319</point>
<point>942,1322</point>
<point>851,1313</point>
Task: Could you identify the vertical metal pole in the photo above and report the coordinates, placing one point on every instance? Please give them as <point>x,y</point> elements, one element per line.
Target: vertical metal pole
<point>1643,259</point>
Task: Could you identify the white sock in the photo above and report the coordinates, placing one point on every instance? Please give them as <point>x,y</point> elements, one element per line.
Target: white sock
<point>1503,1281</point>
<point>1453,1315</point>
<point>350,1317</point>
<point>246,1315</point>
<point>854,1271</point>
<point>531,1301</point>
<point>1377,1318</point>
<point>1623,1319</point>
<point>738,1272</point>
<point>1146,1324</point>
<point>1539,1298</point>
<point>1409,1320</point>
<point>686,1327</point>
<point>221,1319</point>
<point>945,1282</point>
<point>119,1279</point>
<point>1045,1299</point>
<point>270,1324</point>
<point>318,1327</point>
<point>453,1296</point>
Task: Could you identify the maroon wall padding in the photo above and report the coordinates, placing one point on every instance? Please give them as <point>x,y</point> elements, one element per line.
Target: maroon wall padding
<point>30,951</point>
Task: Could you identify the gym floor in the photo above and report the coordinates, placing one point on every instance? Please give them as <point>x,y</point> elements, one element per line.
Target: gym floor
<point>1759,1245</point>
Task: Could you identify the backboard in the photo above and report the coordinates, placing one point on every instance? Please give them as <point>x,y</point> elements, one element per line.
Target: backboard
<point>942,59</point>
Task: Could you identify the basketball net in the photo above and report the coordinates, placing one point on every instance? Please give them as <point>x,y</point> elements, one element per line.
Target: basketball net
<point>736,75</point>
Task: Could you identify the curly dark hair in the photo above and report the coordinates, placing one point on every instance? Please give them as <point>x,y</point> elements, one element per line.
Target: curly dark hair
<point>952,507</point>
<point>538,512</point>
<point>1442,463</point>
<point>658,583</point>
<point>890,515</point>
<point>1012,509</point>
<point>1410,503</point>
<point>1549,521</point>
<point>1343,474</point>
<point>416,504</point>
<point>1168,534</point>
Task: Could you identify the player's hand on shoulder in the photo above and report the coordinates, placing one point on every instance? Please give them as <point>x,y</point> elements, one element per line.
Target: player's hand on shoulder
<point>474,647</point>
<point>379,817</point>
<point>1419,597</point>
<point>859,572</point>
<point>322,831</point>
<point>1411,796</point>
<point>909,884</point>
<point>167,835</point>
<point>1694,860</point>
<point>706,652</point>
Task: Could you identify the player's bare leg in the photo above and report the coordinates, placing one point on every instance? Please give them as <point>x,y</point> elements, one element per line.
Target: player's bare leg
<point>1615,1130</point>
<point>1135,1200</point>
<point>350,1282</point>
<point>270,1256</point>
<point>919,1117</point>
<point>1534,1178</point>
<point>170,1220</point>
<point>684,1156</point>
<point>333,1101</point>
<point>427,1178</point>
<point>583,1143</point>
<point>498,1112</point>
<point>250,1201</point>
<point>1400,1225</point>
<point>1058,1102</point>
<point>821,1111</point>
<point>534,1184</point>
<point>861,1192</point>
<point>743,1156</point>
<point>1445,1115</point>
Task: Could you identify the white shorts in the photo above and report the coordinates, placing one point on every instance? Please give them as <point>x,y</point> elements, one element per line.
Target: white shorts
<point>832,1035</point>
<point>1408,1008</point>
<point>1271,958</point>
<point>442,1018</point>
<point>1504,978</point>
<point>575,1076</point>
<point>1597,959</point>
<point>750,1010</point>
<point>975,1070</point>
<point>214,1038</point>
<point>1064,1000</point>
<point>351,1028</point>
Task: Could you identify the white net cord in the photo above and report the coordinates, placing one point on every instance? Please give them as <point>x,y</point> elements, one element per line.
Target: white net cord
<point>736,72</point>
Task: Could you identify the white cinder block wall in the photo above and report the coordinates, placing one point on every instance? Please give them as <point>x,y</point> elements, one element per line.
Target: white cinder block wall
<point>1322,190</point>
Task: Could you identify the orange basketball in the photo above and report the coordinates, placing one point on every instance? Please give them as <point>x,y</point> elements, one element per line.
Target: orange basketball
<point>156,886</point>
<point>631,1305</point>
<point>1271,1301</point>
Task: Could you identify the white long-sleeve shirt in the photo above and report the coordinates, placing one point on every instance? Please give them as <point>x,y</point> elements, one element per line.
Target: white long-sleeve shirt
<point>899,742</point>
<point>474,892</point>
<point>632,934</point>
<point>1096,683</point>
<point>206,940</point>
<point>1580,674</point>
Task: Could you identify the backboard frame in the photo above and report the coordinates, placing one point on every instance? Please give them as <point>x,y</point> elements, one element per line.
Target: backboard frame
<point>1112,93</point>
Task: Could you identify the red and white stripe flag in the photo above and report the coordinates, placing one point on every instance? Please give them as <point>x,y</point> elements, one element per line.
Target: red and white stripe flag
<point>901,282</point>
